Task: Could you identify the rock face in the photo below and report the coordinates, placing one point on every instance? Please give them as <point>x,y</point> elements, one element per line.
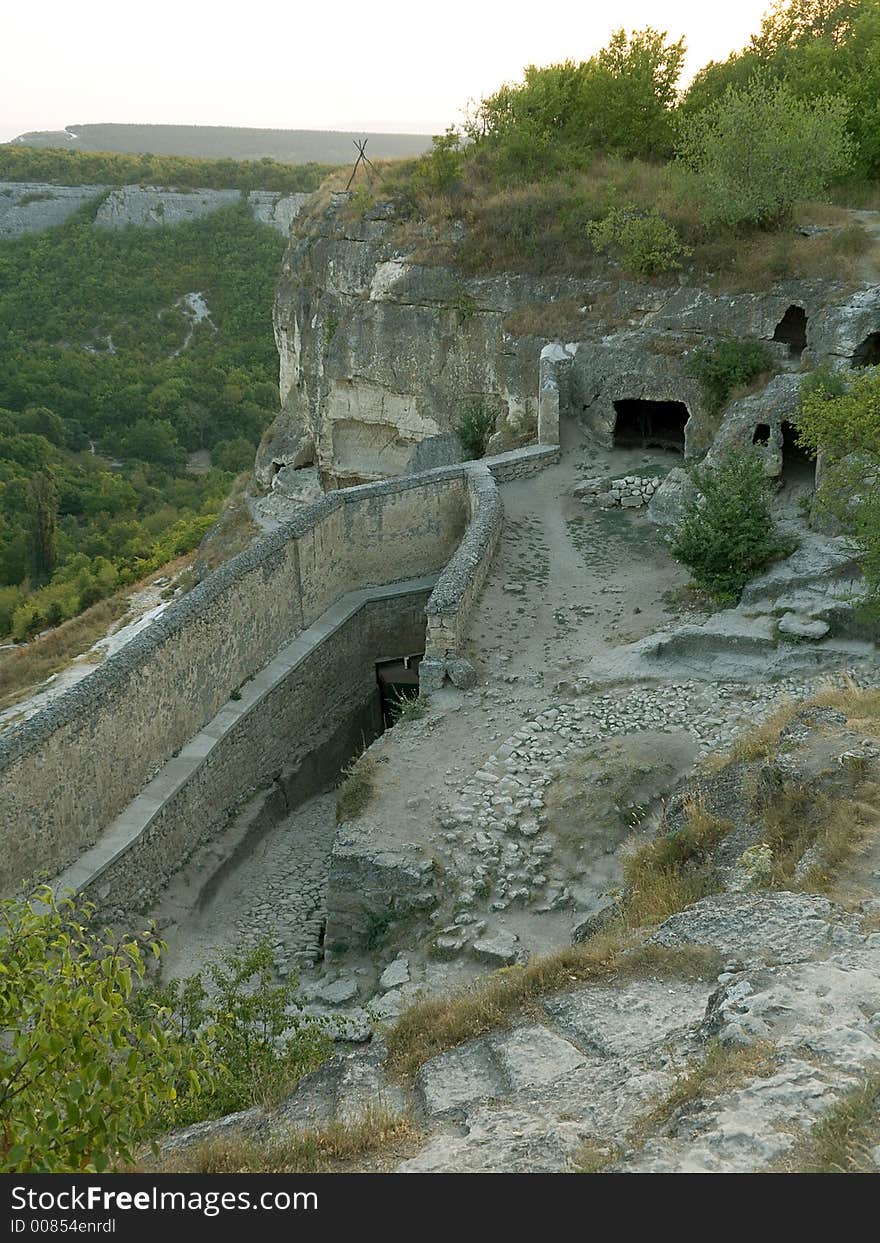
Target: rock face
<point>29,207</point>
<point>382,350</point>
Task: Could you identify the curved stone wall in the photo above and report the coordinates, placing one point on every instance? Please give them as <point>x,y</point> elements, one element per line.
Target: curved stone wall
<point>122,775</point>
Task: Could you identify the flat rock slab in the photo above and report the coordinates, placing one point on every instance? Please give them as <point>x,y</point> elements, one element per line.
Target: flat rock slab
<point>802,627</point>
<point>459,1078</point>
<point>763,927</point>
<point>627,1021</point>
<point>531,1056</point>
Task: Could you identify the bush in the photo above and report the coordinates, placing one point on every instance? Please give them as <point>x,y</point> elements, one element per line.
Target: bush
<point>82,1071</point>
<point>257,1043</point>
<point>727,534</point>
<point>841,419</point>
<point>475,425</point>
<point>646,243</point>
<point>721,368</point>
<point>759,149</point>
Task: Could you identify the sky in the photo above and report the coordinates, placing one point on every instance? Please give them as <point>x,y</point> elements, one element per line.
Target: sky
<point>394,65</point>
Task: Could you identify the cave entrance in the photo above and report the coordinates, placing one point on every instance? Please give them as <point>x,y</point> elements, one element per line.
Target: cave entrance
<point>762,434</point>
<point>868,353</point>
<point>398,681</point>
<point>650,424</point>
<point>792,331</point>
<point>798,467</point>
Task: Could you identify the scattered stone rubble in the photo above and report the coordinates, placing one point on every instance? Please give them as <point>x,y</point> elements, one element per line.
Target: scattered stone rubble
<point>627,492</point>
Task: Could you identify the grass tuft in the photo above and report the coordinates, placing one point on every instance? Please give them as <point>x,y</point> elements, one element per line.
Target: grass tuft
<point>358,788</point>
<point>841,1142</point>
<point>334,1148</point>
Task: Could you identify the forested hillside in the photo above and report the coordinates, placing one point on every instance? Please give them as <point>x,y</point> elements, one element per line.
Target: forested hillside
<point>111,374</point>
<point>89,168</point>
<point>219,142</point>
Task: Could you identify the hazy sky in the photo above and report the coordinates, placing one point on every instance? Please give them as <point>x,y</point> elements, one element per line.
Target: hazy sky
<point>385,64</point>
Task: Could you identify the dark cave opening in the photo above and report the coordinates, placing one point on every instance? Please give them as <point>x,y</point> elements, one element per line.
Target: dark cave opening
<point>868,353</point>
<point>650,424</point>
<point>398,681</point>
<point>792,331</point>
<point>797,464</point>
<point>762,434</point>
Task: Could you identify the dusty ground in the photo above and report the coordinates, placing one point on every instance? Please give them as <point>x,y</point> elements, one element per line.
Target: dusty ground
<point>572,586</point>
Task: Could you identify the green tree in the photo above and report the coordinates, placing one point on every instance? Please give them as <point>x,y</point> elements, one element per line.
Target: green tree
<point>760,148</point>
<point>840,419</point>
<point>80,1075</point>
<point>43,526</point>
<point>646,243</point>
<point>816,47</point>
<point>725,366</point>
<point>726,535</point>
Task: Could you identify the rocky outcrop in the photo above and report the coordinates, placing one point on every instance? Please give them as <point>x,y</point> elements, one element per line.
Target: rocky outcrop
<point>30,207</point>
<point>384,345</point>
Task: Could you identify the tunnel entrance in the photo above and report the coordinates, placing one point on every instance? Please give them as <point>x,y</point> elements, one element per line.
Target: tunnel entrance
<point>868,353</point>
<point>797,465</point>
<point>398,681</point>
<point>792,331</point>
<point>762,434</point>
<point>650,424</point>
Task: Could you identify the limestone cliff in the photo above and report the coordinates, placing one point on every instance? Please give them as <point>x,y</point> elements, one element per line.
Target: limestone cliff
<point>383,345</point>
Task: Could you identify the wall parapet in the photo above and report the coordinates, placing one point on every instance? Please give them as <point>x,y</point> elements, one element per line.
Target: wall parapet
<point>71,769</point>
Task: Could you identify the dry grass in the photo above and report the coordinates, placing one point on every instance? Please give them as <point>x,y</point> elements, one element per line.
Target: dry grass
<point>439,1023</point>
<point>756,743</point>
<point>233,531</point>
<point>336,1148</point>
<point>723,1068</point>
<point>841,1142</point>
<point>357,789</point>
<point>563,319</point>
<point>430,1027</point>
<point>674,870</point>
<point>27,666</point>
<point>797,818</point>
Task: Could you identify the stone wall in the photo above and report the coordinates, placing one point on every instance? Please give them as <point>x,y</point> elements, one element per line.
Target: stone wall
<point>71,768</point>
<point>276,731</point>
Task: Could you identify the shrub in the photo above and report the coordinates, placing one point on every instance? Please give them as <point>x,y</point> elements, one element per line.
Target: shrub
<point>721,368</point>
<point>841,419</point>
<point>256,1042</point>
<point>475,425</point>
<point>727,534</point>
<point>82,1071</point>
<point>759,149</point>
<point>646,243</point>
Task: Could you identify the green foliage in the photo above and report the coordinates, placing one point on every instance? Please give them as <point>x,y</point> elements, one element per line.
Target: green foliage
<point>845,427</point>
<point>256,1040</point>
<point>620,102</point>
<point>439,169</point>
<point>83,1071</point>
<point>760,148</point>
<point>721,368</point>
<point>43,525</point>
<point>474,426</point>
<point>726,535</point>
<point>646,243</point>
<point>816,47</point>
<point>107,386</point>
<point>78,168</point>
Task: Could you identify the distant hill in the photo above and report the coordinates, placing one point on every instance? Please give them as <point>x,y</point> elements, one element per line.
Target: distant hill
<point>291,146</point>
